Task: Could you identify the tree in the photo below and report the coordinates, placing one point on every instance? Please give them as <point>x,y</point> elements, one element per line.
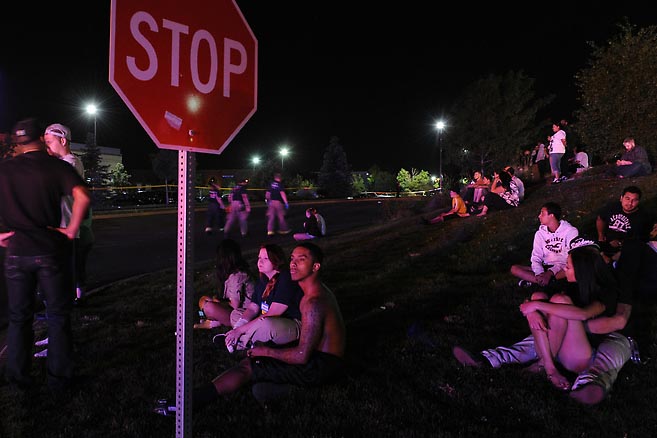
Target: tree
<point>357,184</point>
<point>94,172</point>
<point>618,93</point>
<point>118,176</point>
<point>414,181</point>
<point>335,174</point>
<point>381,180</point>
<point>491,120</point>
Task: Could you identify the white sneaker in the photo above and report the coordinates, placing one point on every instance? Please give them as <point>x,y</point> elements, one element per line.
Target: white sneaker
<point>41,343</point>
<point>42,353</point>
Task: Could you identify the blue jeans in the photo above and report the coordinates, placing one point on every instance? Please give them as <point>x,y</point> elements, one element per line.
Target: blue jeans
<point>51,275</point>
<point>629,170</point>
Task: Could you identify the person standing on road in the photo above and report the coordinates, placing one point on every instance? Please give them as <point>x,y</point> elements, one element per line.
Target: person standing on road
<point>38,253</point>
<point>277,204</point>
<point>239,208</point>
<point>216,217</point>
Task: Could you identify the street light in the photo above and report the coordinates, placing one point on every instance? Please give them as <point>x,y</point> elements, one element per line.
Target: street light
<point>92,110</point>
<point>440,127</point>
<point>255,160</point>
<point>284,151</point>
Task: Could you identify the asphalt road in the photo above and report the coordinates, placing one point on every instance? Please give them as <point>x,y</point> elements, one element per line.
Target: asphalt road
<point>133,244</point>
<point>141,242</point>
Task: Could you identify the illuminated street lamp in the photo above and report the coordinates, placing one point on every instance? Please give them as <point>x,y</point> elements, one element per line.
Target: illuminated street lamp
<point>255,160</point>
<point>440,127</point>
<point>92,110</point>
<point>284,151</point>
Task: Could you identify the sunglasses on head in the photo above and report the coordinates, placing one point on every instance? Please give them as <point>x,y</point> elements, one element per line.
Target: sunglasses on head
<point>56,131</point>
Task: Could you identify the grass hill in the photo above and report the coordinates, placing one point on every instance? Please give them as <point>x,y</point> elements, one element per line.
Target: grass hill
<point>409,292</point>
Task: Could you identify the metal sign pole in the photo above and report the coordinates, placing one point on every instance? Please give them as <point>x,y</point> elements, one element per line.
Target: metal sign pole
<point>185,281</point>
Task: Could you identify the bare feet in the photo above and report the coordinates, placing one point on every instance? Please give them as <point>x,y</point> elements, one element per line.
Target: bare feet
<point>482,214</point>
<point>559,381</point>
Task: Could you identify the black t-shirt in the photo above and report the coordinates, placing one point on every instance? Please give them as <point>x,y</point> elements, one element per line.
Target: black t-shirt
<point>31,189</point>
<point>621,225</point>
<point>275,189</point>
<point>285,292</point>
<point>238,191</point>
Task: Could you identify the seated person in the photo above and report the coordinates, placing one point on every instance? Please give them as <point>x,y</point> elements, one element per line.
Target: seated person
<point>622,220</point>
<point>503,194</point>
<point>593,384</point>
<point>314,226</point>
<point>521,186</point>
<point>633,162</point>
<point>273,315</point>
<point>235,280</point>
<point>458,209</point>
<point>316,360</point>
<point>477,188</point>
<point>579,162</point>
<point>550,249</point>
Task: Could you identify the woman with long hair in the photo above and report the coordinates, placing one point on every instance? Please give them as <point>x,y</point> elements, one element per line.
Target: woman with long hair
<point>503,194</point>
<point>234,280</point>
<point>273,315</point>
<point>558,323</point>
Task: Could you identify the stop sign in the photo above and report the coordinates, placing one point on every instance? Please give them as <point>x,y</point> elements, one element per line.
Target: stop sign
<point>187,70</point>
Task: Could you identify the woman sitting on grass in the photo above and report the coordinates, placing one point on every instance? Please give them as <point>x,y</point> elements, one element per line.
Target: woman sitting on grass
<point>558,323</point>
<point>504,194</point>
<point>235,279</point>
<point>274,314</point>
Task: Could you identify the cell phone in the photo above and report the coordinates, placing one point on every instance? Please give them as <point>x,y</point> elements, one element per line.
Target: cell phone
<point>201,314</point>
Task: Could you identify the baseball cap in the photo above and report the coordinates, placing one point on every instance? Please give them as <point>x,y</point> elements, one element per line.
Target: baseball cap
<point>25,131</point>
<point>59,130</point>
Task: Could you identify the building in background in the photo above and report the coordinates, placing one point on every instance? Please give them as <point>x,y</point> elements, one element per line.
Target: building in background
<point>109,156</point>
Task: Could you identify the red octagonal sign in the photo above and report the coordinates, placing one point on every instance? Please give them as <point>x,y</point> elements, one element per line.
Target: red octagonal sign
<point>187,70</point>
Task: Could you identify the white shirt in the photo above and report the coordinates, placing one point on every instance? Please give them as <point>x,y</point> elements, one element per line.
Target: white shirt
<point>583,159</point>
<point>556,145</point>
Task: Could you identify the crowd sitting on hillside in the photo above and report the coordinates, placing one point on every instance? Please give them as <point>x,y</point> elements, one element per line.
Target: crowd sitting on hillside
<point>582,295</point>
<point>582,336</point>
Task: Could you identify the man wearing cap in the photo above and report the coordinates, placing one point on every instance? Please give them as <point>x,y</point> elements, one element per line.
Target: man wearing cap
<point>32,185</point>
<point>58,142</point>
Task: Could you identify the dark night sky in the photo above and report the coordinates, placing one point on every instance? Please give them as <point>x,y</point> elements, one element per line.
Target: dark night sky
<point>377,78</point>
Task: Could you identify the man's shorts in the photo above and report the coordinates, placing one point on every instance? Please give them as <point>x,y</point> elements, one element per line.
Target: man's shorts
<point>321,368</point>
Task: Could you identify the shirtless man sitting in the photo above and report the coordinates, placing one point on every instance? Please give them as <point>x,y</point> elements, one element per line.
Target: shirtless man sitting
<point>318,357</point>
